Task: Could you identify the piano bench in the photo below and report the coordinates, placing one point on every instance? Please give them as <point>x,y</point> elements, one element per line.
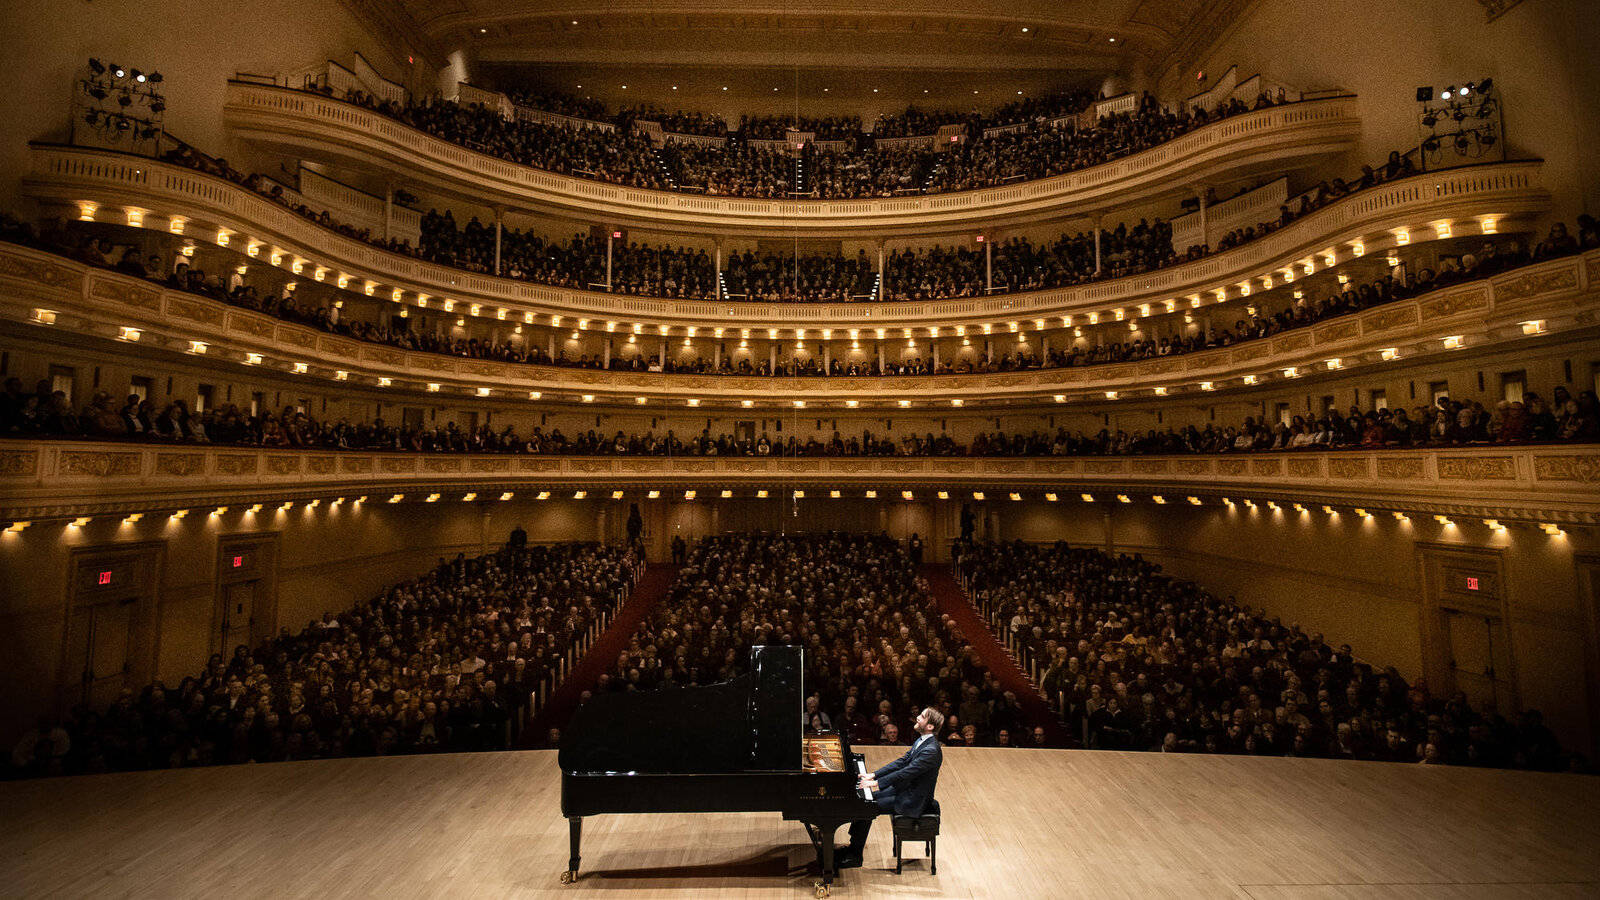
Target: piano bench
<point>924,828</point>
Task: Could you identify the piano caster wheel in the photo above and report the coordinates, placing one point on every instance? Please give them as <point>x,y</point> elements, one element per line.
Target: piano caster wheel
<point>821,889</point>
<point>569,877</point>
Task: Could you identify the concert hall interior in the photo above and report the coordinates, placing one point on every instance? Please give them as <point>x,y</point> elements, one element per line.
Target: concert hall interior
<point>537,447</point>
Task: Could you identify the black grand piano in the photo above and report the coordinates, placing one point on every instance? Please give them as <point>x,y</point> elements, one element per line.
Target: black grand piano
<point>737,746</point>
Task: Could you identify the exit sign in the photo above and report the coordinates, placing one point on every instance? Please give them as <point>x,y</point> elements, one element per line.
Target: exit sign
<point>103,578</point>
<point>1472,582</point>
<point>238,561</point>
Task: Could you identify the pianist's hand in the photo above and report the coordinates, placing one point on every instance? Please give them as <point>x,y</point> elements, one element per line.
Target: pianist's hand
<point>867,783</point>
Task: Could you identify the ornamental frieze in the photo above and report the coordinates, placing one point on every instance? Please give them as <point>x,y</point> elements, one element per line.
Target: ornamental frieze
<point>1533,284</point>
<point>319,465</point>
<point>1251,351</point>
<point>491,465</point>
<point>591,466</point>
<point>1337,331</point>
<point>1232,465</point>
<point>1389,319</point>
<point>487,370</point>
<point>1163,366</point>
<point>1297,340</point>
<point>1358,467</point>
<point>440,464</point>
<point>1191,466</point>
<point>99,465</point>
<point>40,272</point>
<point>1585,468</point>
<point>1456,303</point>
<point>194,311</point>
<point>356,465</point>
<point>236,464</point>
<point>398,464</point>
<point>18,462</point>
<point>431,361</point>
<point>1592,269</point>
<point>338,347</point>
<point>1304,466</point>
<point>536,464</point>
<point>283,465</point>
<point>1400,467</point>
<point>1102,466</point>
<point>249,324</point>
<point>1008,466</point>
<point>1478,468</point>
<point>386,357</point>
<point>297,337</point>
<point>179,464</point>
<point>1149,466</point>
<point>1266,466</point>
<point>125,292</point>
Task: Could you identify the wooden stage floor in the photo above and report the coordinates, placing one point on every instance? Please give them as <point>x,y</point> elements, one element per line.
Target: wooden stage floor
<point>1018,823</point>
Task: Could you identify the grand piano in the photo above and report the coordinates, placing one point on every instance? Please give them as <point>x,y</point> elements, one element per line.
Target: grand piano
<point>736,746</point>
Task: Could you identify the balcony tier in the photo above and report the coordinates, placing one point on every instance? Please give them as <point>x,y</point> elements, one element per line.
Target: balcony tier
<point>311,126</point>
<point>59,479</point>
<point>1509,194</point>
<point>1561,296</point>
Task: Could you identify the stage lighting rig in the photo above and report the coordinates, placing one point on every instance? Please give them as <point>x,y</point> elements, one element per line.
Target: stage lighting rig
<point>118,106</point>
<point>1467,120</point>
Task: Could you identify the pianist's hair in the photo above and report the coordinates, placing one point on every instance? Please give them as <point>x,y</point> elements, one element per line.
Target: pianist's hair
<point>935,718</point>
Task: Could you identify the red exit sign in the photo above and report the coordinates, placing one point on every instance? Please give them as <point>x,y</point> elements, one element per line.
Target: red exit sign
<point>238,562</point>
<point>103,578</point>
<point>1472,583</point>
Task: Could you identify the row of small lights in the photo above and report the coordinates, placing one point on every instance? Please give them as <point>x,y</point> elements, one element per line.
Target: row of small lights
<point>1272,506</point>
<point>1443,229</point>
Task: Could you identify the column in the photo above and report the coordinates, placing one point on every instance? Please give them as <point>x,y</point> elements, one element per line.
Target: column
<point>716,284</point>
<point>880,358</point>
<point>988,264</point>
<point>988,350</point>
<point>716,356</point>
<point>1205,235</point>
<point>609,240</point>
<point>663,356</point>
<point>388,210</point>
<point>935,345</point>
<point>607,363</point>
<point>827,358</point>
<point>772,357</point>
<point>552,343</point>
<point>499,228</point>
<point>1097,245</point>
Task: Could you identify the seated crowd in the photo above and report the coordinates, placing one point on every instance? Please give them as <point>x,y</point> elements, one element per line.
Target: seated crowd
<point>876,652</point>
<point>451,661</point>
<point>1135,660</point>
<point>1050,142</point>
<point>48,413</point>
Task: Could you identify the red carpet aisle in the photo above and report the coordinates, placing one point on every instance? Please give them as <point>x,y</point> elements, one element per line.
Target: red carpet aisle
<point>649,591</point>
<point>952,600</point>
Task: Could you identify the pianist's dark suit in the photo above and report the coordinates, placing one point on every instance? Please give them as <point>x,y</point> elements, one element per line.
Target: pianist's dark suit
<point>905,786</point>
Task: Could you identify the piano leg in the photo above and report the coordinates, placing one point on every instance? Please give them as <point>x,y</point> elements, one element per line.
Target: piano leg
<point>822,836</point>
<point>575,832</point>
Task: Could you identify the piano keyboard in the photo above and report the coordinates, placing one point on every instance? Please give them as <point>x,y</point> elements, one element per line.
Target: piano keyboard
<point>861,769</point>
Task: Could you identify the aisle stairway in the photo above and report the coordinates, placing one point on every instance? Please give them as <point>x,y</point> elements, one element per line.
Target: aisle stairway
<point>601,654</point>
<point>953,601</point>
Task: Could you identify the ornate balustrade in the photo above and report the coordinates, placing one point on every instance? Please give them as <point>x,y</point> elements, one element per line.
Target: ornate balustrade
<point>313,126</point>
<point>1551,298</point>
<point>1507,196</point>
<point>41,480</point>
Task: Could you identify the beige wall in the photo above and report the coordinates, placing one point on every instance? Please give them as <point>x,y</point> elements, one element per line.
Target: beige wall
<point>197,46</point>
<point>1544,57</point>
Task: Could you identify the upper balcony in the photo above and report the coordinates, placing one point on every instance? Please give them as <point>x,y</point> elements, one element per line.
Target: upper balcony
<point>312,126</point>
<point>1471,200</point>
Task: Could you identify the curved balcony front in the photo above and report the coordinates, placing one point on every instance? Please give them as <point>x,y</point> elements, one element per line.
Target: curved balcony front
<point>1502,197</point>
<point>46,480</point>
<point>1552,299</point>
<point>311,126</point>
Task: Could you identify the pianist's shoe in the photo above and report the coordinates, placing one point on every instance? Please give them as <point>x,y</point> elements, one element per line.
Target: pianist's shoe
<point>847,858</point>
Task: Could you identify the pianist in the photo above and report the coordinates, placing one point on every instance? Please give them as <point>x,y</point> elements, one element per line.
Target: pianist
<point>903,787</point>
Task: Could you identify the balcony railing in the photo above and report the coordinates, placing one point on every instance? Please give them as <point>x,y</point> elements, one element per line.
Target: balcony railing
<point>54,480</point>
<point>1509,195</point>
<point>1548,298</point>
<point>1280,137</point>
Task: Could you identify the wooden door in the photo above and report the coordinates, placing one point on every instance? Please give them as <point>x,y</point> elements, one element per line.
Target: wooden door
<point>99,638</point>
<point>238,614</point>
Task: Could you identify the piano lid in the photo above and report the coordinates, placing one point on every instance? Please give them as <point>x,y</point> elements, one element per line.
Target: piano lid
<point>751,723</point>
